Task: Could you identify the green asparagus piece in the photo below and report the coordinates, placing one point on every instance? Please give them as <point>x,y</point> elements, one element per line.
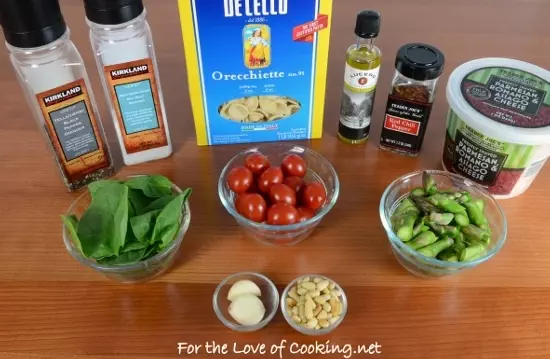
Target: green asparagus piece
<point>432,250</point>
<point>464,197</point>
<point>418,192</point>
<point>461,219</point>
<point>425,206</point>
<point>404,206</point>
<point>441,218</point>
<point>472,232</point>
<point>458,247</point>
<point>448,255</point>
<point>476,215</point>
<point>472,252</point>
<point>418,228</point>
<point>428,183</point>
<point>406,209</point>
<point>404,227</point>
<point>422,240</point>
<point>446,204</point>
<point>480,203</point>
<point>449,195</point>
<point>409,212</point>
<point>450,231</point>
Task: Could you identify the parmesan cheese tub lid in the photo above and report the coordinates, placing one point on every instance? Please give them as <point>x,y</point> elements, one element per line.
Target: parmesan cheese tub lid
<point>503,98</point>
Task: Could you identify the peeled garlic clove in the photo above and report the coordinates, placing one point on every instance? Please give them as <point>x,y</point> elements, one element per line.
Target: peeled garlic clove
<point>243,287</point>
<point>247,309</point>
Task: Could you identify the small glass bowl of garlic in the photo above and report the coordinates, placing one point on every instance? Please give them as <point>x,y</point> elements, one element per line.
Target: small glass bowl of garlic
<point>314,304</point>
<point>246,301</point>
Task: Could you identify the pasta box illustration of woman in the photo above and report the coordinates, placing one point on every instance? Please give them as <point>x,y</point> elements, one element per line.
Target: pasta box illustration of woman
<point>256,46</point>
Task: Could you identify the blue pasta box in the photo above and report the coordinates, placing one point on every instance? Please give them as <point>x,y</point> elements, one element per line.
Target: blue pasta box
<point>256,68</point>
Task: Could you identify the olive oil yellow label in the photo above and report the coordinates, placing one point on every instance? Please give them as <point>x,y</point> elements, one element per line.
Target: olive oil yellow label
<point>360,80</point>
<point>134,93</point>
<point>72,129</point>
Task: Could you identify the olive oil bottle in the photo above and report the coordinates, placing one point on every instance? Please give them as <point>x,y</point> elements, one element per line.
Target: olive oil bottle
<point>360,78</point>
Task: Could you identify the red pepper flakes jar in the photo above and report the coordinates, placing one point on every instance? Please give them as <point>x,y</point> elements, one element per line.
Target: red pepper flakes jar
<point>418,67</point>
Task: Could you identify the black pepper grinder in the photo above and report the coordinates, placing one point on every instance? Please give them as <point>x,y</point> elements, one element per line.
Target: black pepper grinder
<point>417,69</point>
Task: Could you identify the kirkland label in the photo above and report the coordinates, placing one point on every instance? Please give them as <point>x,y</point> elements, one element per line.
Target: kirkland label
<point>405,124</point>
<point>72,129</point>
<point>505,95</point>
<point>137,106</point>
<point>494,164</point>
<point>134,93</point>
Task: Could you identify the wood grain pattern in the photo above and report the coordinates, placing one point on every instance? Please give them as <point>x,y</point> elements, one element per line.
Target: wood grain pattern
<point>50,307</point>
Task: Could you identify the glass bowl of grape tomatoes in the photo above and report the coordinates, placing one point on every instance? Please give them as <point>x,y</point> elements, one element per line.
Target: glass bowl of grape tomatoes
<point>278,193</point>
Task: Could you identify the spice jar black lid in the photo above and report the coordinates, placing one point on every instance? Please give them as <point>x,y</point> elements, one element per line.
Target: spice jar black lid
<point>419,61</point>
<point>368,24</point>
<point>112,12</point>
<point>31,23</point>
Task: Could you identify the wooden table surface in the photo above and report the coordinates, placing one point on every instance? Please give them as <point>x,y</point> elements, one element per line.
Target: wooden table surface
<point>51,307</point>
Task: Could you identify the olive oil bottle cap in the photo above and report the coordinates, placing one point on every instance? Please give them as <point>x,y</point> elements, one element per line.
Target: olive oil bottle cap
<point>31,23</point>
<point>112,12</point>
<point>368,24</point>
<point>419,61</point>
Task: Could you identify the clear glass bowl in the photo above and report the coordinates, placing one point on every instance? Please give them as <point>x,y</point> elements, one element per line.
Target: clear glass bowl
<point>128,273</point>
<point>424,266</point>
<point>319,169</point>
<point>269,297</point>
<point>303,329</point>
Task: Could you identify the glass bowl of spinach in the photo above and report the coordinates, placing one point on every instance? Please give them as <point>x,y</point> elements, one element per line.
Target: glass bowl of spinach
<point>129,230</point>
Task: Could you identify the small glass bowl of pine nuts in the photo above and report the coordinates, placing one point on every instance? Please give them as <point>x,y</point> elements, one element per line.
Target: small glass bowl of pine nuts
<point>314,304</point>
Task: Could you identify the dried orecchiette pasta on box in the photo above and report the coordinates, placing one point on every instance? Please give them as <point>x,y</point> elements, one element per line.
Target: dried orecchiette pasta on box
<point>274,64</point>
<point>259,108</point>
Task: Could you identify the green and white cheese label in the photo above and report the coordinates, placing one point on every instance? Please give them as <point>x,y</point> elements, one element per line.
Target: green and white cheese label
<point>494,164</point>
<point>508,96</point>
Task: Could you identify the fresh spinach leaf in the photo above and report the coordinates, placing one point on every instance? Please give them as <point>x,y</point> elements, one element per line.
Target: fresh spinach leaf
<point>142,226</point>
<point>186,194</point>
<point>103,227</point>
<point>138,202</point>
<point>160,203</point>
<point>124,258</point>
<point>151,251</point>
<point>133,246</point>
<point>154,186</point>
<point>94,186</point>
<point>71,222</point>
<point>168,221</point>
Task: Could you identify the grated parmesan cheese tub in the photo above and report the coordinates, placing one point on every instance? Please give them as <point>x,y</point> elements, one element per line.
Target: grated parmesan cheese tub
<point>498,125</point>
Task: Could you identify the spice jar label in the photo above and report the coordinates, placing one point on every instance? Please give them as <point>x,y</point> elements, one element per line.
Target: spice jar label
<point>72,129</point>
<point>134,91</point>
<point>509,96</point>
<point>492,163</point>
<point>405,123</point>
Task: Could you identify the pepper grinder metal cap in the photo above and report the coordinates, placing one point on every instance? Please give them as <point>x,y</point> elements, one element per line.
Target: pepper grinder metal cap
<point>368,24</point>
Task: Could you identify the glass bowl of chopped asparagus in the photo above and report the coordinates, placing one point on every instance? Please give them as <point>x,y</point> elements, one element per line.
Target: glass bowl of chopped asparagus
<point>130,229</point>
<point>440,223</point>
